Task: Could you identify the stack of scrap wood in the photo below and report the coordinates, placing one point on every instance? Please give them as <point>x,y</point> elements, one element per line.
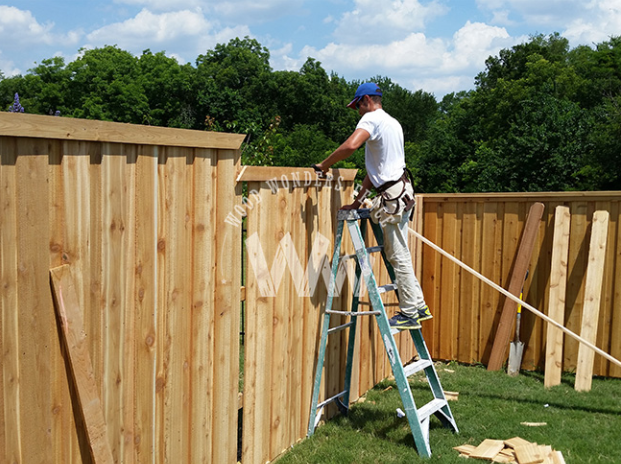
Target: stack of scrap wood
<point>515,451</point>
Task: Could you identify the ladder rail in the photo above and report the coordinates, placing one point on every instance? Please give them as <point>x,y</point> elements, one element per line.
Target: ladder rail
<point>325,327</point>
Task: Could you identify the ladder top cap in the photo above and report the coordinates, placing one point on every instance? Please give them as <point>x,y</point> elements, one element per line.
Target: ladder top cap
<point>353,214</point>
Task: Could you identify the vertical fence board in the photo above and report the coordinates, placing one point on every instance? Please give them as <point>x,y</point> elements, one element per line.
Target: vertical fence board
<point>227,317</point>
<point>615,270</point>
<point>202,316</point>
<point>37,323</point>
<point>146,305</point>
<point>11,381</point>
<point>257,372</point>
<point>450,280</point>
<point>578,254</point>
<point>281,217</point>
<point>430,277</point>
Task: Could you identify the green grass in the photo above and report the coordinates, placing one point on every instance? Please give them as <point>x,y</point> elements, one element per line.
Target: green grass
<point>585,427</point>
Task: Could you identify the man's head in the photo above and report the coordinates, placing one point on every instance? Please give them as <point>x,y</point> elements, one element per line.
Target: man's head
<point>369,88</point>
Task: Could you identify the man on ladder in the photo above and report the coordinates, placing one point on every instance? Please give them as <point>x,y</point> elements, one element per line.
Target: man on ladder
<point>393,207</point>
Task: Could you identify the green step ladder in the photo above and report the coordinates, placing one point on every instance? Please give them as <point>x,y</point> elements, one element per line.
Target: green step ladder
<point>417,418</point>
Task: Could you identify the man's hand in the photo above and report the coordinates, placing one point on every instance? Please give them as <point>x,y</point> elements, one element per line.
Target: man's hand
<point>354,205</point>
<point>321,173</point>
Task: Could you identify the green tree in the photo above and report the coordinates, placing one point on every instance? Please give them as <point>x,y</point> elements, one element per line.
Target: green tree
<point>105,84</point>
<point>168,89</point>
<point>228,81</point>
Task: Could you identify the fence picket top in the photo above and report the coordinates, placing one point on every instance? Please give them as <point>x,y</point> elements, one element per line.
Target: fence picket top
<point>522,197</point>
<point>38,126</point>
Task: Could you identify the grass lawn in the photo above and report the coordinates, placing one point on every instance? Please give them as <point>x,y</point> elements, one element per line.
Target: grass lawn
<point>585,427</point>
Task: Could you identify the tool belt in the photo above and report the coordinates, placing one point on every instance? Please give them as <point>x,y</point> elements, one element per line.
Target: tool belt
<point>402,201</point>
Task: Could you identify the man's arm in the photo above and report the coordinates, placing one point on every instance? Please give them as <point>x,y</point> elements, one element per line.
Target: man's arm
<point>350,145</point>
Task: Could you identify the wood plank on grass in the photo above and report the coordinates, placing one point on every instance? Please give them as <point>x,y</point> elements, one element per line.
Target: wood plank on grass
<point>528,454</point>
<point>70,315</point>
<point>592,297</point>
<point>558,286</point>
<point>516,441</point>
<point>488,449</point>
<point>524,253</point>
<point>465,449</point>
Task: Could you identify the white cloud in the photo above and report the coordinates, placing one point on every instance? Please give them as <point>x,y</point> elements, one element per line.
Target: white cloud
<point>251,11</point>
<point>163,4</point>
<point>157,28</point>
<point>602,20</point>
<point>180,32</point>
<point>473,44</point>
<point>371,22</point>
<point>501,17</point>
<point>440,86</point>
<point>237,11</point>
<point>417,54</point>
<point>20,29</point>
<point>8,67</point>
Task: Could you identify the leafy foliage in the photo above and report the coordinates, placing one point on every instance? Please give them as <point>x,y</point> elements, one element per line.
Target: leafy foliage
<point>541,117</point>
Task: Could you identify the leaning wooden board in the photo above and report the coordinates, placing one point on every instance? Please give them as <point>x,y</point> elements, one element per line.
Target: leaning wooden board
<point>524,253</point>
<point>89,403</point>
<point>592,298</point>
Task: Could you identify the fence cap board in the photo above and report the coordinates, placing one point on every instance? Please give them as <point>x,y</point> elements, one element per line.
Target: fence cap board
<point>520,196</point>
<point>60,128</point>
<point>268,173</point>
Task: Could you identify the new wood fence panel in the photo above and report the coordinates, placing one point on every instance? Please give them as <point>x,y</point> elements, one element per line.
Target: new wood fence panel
<point>136,223</point>
<point>289,246</point>
<point>501,224</point>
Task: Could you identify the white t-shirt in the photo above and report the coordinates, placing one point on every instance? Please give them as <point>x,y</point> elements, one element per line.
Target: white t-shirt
<point>384,156</point>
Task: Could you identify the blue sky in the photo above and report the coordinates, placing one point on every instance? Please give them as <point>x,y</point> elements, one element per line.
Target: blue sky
<point>438,46</point>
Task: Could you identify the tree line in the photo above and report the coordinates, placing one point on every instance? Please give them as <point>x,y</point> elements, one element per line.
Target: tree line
<point>542,116</point>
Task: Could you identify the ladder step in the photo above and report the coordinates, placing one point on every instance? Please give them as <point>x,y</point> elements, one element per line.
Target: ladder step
<point>340,327</point>
<point>431,408</point>
<point>329,400</point>
<point>416,366</point>
<point>353,314</point>
<point>386,288</point>
<point>394,331</point>
<point>373,249</point>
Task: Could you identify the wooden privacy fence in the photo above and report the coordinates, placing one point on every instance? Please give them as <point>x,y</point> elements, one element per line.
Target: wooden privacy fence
<point>149,222</point>
<point>139,215</point>
<point>484,231</point>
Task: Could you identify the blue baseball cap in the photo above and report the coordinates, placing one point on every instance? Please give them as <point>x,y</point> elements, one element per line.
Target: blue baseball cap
<point>369,88</point>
